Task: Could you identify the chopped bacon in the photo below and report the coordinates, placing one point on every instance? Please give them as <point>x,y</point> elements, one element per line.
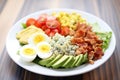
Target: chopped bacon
<point>81,50</point>
<point>77,40</point>
<point>72,32</point>
<point>84,27</point>
<point>91,35</point>
<point>91,55</point>
<point>91,61</point>
<point>79,33</point>
<point>88,42</point>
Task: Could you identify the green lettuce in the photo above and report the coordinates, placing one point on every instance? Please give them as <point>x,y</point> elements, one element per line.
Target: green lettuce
<point>24,25</point>
<point>106,37</point>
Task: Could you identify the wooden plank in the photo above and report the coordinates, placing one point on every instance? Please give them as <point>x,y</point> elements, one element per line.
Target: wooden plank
<point>7,18</point>
<point>2,3</point>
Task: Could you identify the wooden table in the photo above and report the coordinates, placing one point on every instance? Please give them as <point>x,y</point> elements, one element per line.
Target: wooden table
<point>13,10</point>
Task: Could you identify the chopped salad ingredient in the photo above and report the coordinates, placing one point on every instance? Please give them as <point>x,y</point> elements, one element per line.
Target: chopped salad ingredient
<point>88,42</point>
<point>24,34</point>
<point>65,31</point>
<point>27,53</point>
<point>30,21</point>
<point>62,45</point>
<point>69,19</point>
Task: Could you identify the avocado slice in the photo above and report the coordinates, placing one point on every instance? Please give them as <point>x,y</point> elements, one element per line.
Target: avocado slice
<point>54,60</point>
<point>85,58</point>
<point>47,60</point>
<point>79,60</point>
<point>68,63</point>
<point>61,61</point>
<point>75,61</point>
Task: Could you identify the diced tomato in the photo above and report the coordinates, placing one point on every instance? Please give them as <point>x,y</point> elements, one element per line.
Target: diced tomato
<point>30,21</point>
<point>53,24</point>
<point>37,24</point>
<point>52,34</point>
<point>44,27</point>
<point>41,20</point>
<point>47,31</point>
<point>65,31</point>
<point>55,30</point>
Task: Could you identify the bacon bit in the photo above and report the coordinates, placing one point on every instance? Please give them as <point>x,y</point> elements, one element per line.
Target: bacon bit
<point>89,48</point>
<point>88,42</point>
<point>72,32</point>
<point>91,35</point>
<point>79,33</point>
<point>91,61</point>
<point>81,50</point>
<point>91,55</point>
<point>77,40</point>
<point>84,27</point>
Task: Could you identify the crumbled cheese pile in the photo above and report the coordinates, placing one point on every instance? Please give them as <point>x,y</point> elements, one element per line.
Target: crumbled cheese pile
<point>62,45</point>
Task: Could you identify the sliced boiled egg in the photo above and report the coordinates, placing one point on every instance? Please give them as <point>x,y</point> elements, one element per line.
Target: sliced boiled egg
<point>44,50</point>
<point>37,38</point>
<point>28,53</point>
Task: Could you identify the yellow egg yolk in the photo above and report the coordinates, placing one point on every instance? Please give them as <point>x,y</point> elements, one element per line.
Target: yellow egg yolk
<point>38,38</point>
<point>44,48</point>
<point>29,51</point>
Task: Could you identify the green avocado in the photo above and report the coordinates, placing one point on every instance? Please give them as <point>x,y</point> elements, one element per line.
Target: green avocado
<point>47,60</point>
<point>54,60</point>
<point>75,61</point>
<point>61,61</point>
<point>68,63</point>
<point>79,60</point>
<point>85,58</point>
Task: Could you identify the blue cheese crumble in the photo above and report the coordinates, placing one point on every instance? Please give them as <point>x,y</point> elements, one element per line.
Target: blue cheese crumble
<point>62,45</point>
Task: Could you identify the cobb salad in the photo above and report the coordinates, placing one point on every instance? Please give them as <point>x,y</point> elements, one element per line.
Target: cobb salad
<point>61,40</point>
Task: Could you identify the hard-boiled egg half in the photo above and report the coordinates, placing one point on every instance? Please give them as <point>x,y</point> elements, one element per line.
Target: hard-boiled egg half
<point>44,50</point>
<point>28,53</point>
<point>37,38</point>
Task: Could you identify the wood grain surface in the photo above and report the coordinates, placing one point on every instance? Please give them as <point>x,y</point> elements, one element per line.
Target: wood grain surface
<point>13,10</point>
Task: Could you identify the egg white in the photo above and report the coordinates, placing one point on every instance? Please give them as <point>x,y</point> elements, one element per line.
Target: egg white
<point>32,37</point>
<point>41,53</point>
<point>27,58</point>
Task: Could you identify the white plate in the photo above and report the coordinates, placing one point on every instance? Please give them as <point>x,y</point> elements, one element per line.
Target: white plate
<point>12,46</point>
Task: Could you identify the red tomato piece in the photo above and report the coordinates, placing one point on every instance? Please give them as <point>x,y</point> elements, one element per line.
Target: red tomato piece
<point>52,34</point>
<point>41,21</point>
<point>53,24</point>
<point>65,31</point>
<point>30,21</point>
<point>44,27</point>
<point>55,30</point>
<point>47,31</point>
<point>37,24</point>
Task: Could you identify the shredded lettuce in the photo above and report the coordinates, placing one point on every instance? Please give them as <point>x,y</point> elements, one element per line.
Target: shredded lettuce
<point>106,37</point>
<point>24,25</point>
